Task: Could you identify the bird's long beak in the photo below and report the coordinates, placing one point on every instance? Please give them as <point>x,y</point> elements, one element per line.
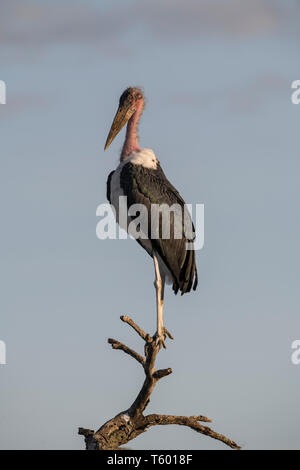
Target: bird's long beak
<point>123,114</point>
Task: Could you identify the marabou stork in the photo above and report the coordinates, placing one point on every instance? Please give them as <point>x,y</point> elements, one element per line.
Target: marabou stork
<point>141,179</point>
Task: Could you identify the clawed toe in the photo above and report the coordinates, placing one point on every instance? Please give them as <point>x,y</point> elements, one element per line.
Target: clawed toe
<point>160,339</point>
<point>167,333</point>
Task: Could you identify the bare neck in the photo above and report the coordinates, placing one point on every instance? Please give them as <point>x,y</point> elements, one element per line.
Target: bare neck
<point>131,140</point>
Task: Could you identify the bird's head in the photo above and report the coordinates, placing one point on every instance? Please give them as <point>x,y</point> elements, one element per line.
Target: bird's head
<point>131,100</point>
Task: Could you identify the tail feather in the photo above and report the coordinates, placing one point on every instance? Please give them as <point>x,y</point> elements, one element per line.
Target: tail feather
<point>188,277</point>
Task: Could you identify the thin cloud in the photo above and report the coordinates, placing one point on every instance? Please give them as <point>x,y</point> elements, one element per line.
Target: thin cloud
<point>245,100</point>
<point>177,18</point>
<point>19,103</point>
<point>36,24</point>
<point>255,94</point>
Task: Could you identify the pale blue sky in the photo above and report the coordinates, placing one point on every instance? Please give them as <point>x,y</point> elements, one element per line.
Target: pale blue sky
<point>217,76</point>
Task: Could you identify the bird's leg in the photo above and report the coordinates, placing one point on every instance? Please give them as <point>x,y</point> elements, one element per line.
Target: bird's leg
<point>162,300</point>
<point>159,312</point>
<point>159,284</point>
<point>165,331</point>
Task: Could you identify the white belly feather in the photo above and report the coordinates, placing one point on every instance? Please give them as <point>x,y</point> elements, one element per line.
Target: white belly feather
<point>144,157</point>
<point>147,159</point>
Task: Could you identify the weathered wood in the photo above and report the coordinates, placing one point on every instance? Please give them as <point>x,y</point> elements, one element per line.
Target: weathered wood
<point>130,423</point>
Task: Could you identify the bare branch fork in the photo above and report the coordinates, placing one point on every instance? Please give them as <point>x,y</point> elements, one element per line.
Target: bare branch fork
<point>128,424</point>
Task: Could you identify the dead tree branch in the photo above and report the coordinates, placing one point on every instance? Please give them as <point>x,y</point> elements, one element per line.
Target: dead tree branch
<point>130,423</point>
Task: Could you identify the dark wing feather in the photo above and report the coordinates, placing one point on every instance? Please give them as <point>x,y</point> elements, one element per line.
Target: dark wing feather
<point>108,185</point>
<point>150,186</point>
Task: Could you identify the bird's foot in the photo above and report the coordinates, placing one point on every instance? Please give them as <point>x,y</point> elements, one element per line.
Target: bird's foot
<point>160,337</point>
